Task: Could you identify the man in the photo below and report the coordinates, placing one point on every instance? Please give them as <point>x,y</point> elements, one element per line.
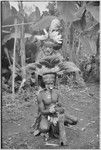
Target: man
<point>50,106</point>
<point>51,42</point>
<point>49,54</point>
<point>48,51</point>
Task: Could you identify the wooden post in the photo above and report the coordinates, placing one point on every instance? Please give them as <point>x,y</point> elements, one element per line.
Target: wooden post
<point>7,54</point>
<point>62,131</point>
<point>14,57</point>
<point>23,53</point>
<point>22,40</point>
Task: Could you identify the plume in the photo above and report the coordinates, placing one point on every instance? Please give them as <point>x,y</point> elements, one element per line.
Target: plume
<point>56,37</point>
<point>42,37</point>
<point>54,31</point>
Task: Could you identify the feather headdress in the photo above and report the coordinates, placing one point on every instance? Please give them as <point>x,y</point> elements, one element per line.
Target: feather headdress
<point>53,34</point>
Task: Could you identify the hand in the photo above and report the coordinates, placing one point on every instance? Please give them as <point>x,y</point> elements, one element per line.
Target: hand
<point>52,109</point>
<point>59,110</point>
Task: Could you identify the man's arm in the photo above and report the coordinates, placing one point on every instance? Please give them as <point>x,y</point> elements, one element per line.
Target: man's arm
<point>60,107</point>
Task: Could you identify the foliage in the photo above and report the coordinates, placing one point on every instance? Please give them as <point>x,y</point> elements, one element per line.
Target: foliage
<point>34,16</point>
<point>6,12</point>
<point>83,36</point>
<point>79,37</point>
<point>51,8</point>
<point>90,69</point>
<point>43,23</point>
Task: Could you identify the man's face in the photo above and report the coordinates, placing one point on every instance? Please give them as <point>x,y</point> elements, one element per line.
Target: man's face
<point>49,85</point>
<point>48,50</point>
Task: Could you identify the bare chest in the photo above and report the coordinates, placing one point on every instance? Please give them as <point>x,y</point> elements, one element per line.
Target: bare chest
<point>50,97</point>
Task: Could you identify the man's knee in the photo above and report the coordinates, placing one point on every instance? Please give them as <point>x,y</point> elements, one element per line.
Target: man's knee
<point>44,125</point>
<point>70,120</point>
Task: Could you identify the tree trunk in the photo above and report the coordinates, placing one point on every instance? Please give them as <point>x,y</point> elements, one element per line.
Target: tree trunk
<point>21,18</point>
<point>14,56</point>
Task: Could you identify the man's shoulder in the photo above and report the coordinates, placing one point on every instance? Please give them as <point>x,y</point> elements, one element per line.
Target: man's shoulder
<point>41,91</point>
<point>56,90</point>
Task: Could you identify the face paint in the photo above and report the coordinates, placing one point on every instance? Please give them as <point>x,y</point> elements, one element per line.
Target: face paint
<point>49,80</point>
<point>50,85</point>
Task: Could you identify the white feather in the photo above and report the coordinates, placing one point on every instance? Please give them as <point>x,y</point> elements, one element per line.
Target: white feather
<point>46,33</point>
<point>42,37</point>
<point>54,24</point>
<point>56,36</point>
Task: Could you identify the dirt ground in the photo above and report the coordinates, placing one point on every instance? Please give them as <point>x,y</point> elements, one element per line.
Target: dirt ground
<point>18,116</point>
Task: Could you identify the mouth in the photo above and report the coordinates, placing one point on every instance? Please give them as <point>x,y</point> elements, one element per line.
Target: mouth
<point>51,88</point>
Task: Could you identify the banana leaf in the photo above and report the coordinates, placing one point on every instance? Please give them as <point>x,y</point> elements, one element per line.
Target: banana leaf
<point>92,31</point>
<point>67,10</point>
<point>12,35</point>
<point>91,7</point>
<point>42,23</point>
<point>94,10</point>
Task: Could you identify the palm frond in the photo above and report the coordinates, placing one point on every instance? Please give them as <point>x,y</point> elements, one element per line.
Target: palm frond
<point>94,10</point>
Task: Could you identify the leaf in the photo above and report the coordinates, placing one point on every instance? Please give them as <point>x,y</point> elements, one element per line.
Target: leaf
<point>67,10</point>
<point>42,23</point>
<point>92,31</point>
<point>94,10</point>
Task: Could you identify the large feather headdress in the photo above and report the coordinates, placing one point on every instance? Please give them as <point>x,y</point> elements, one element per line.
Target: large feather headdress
<point>53,36</point>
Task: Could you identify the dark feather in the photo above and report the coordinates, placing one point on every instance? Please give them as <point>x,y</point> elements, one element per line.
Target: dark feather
<point>50,62</point>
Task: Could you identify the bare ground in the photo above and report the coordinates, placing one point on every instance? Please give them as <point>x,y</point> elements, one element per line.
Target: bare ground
<point>18,116</point>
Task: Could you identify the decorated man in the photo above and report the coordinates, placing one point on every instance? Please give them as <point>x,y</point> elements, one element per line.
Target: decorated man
<point>51,114</point>
<point>51,43</point>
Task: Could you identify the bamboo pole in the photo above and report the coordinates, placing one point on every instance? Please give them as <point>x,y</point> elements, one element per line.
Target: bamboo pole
<point>14,56</point>
<point>22,41</point>
<point>19,24</point>
<point>23,52</point>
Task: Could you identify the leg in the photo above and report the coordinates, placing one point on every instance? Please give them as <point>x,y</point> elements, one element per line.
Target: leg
<point>44,125</point>
<point>44,128</point>
<point>41,125</point>
<point>69,119</point>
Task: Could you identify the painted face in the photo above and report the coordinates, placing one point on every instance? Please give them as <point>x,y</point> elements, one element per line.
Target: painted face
<point>49,85</point>
<point>48,50</point>
<point>49,80</point>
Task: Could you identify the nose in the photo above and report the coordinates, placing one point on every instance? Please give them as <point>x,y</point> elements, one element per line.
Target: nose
<point>48,49</point>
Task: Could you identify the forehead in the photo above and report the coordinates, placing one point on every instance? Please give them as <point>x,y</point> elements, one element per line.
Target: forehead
<point>49,78</point>
<point>49,82</point>
<point>50,47</point>
<point>51,75</point>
